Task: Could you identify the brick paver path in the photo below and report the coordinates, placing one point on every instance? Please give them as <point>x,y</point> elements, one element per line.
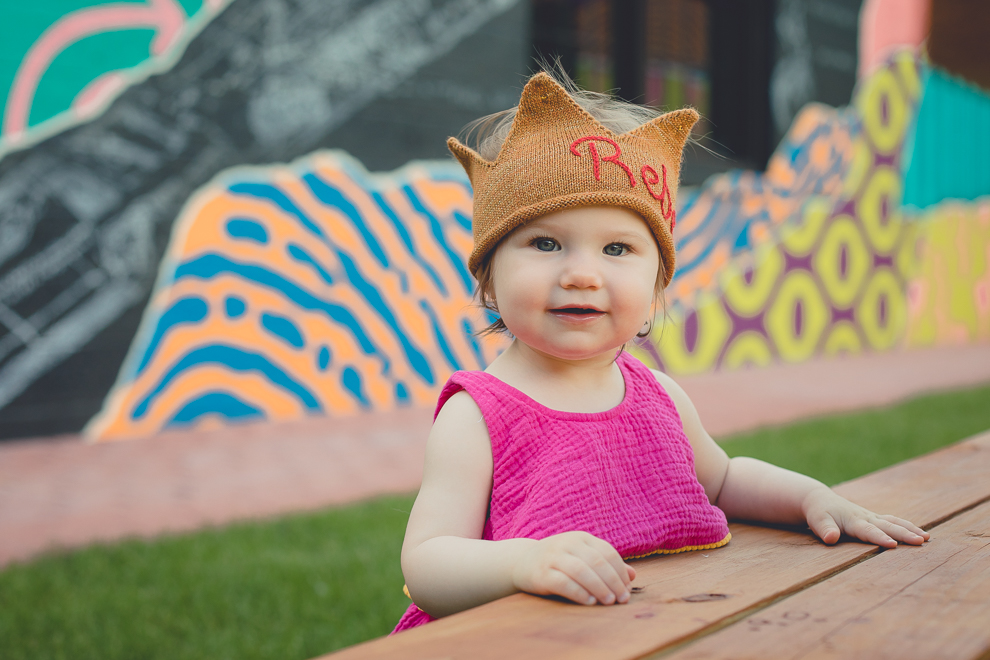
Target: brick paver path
<point>63,492</point>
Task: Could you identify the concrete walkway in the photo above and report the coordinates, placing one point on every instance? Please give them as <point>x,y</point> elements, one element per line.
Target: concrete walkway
<point>61,492</point>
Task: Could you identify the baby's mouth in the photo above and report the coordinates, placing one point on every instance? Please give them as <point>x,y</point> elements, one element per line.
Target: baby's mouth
<point>577,312</point>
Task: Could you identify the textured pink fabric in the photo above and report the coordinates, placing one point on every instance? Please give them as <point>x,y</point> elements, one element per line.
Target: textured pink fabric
<point>625,475</point>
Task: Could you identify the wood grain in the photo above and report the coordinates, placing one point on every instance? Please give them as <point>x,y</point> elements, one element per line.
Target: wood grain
<point>681,595</point>
<point>687,596</point>
<point>922,602</point>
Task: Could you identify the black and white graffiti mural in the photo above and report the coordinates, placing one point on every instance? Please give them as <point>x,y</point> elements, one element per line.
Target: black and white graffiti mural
<point>86,213</point>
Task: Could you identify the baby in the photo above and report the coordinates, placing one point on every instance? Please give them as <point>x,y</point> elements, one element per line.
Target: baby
<point>567,456</point>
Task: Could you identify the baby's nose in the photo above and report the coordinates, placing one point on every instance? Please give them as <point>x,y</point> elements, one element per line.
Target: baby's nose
<point>581,273</point>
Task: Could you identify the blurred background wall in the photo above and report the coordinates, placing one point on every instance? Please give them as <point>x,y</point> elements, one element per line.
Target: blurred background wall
<point>217,211</point>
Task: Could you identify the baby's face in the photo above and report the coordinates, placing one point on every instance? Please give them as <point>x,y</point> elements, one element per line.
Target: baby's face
<point>578,283</point>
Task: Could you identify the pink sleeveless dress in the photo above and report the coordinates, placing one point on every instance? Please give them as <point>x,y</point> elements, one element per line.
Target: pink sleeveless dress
<point>625,475</point>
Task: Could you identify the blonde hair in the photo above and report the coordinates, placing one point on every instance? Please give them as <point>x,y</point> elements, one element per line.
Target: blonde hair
<point>488,133</point>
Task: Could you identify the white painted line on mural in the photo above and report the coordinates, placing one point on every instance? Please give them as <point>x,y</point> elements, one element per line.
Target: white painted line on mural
<point>18,219</point>
<point>26,278</point>
<point>63,302</point>
<point>369,56</point>
<point>18,326</point>
<point>66,337</point>
<point>92,280</point>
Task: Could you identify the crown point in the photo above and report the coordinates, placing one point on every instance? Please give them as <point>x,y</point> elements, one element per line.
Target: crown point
<point>469,159</point>
<point>542,90</point>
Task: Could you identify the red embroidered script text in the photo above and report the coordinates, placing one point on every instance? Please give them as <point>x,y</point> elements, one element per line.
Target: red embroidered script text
<point>648,174</point>
<point>596,158</point>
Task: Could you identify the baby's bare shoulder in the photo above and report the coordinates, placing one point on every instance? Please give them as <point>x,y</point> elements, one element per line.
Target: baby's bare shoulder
<point>675,391</point>
<point>457,408</point>
<point>460,419</point>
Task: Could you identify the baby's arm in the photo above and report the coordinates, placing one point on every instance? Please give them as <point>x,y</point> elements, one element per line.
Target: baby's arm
<point>448,568</point>
<point>750,489</point>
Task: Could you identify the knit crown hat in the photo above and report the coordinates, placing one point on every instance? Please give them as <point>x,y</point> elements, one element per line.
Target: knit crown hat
<point>557,156</point>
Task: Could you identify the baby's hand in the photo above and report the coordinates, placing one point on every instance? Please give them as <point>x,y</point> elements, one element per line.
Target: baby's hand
<point>830,515</point>
<point>577,566</point>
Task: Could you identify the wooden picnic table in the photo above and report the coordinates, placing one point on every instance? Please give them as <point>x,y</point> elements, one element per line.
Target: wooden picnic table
<point>772,592</point>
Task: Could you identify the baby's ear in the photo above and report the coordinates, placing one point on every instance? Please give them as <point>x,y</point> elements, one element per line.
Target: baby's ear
<point>671,128</point>
<point>469,159</point>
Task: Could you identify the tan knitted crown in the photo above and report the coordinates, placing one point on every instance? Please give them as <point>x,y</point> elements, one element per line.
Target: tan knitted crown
<point>557,156</point>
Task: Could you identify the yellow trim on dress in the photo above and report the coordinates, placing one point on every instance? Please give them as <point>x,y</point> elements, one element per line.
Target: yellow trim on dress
<point>687,548</point>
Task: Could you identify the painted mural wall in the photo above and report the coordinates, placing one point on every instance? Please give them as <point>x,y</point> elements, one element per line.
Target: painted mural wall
<point>314,288</point>
<point>851,270</point>
<point>229,217</point>
<point>116,113</point>
<point>317,288</point>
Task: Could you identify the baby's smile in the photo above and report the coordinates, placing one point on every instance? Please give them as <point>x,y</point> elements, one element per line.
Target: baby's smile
<point>575,312</point>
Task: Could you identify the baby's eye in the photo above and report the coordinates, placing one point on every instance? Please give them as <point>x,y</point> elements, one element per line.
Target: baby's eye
<point>545,244</point>
<point>615,249</point>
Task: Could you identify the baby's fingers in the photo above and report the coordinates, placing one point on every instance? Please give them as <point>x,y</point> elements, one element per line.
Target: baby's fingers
<point>592,576</point>
<point>864,530</point>
<point>903,531</point>
<point>825,527</point>
<point>560,583</point>
<point>620,568</point>
<point>605,581</point>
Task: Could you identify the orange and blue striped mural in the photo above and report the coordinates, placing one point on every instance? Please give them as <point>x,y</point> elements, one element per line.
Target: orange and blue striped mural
<point>313,288</point>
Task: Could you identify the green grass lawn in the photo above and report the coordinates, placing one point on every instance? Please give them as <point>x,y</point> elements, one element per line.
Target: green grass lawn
<point>307,584</point>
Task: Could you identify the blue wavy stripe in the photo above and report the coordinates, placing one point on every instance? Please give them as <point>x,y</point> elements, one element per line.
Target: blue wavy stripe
<point>233,358</point>
<point>723,236</point>
<point>685,267</point>
<point>324,357</point>
<point>351,380</point>
<point>456,176</point>
<point>209,266</point>
<point>185,310</point>
<point>441,339</point>
<point>283,328</point>
<point>215,403</point>
<point>332,197</point>
<point>791,152</point>
<point>462,220</point>
<point>455,259</point>
<point>406,239</point>
<point>368,291</point>
<point>234,307</point>
<point>718,203</point>
<point>305,257</point>
<point>247,229</point>
<point>698,231</point>
<point>473,341</point>
<point>742,242</point>
<point>280,199</point>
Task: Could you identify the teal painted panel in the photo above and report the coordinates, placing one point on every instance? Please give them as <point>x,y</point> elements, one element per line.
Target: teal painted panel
<point>63,61</point>
<point>79,64</point>
<point>949,155</point>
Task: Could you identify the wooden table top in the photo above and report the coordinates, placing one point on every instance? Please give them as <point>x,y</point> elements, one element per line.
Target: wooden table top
<point>772,592</point>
